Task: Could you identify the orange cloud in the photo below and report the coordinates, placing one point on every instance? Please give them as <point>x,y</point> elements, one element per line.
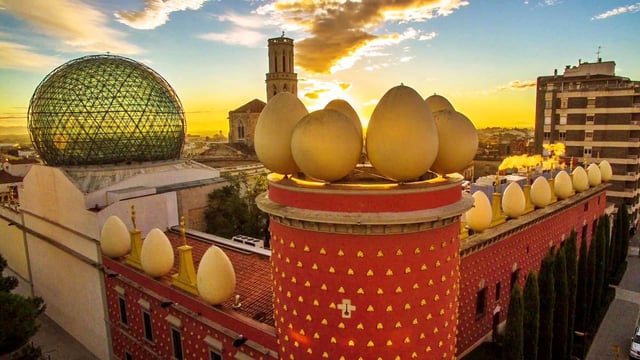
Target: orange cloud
<point>155,13</point>
<point>518,85</point>
<point>340,30</point>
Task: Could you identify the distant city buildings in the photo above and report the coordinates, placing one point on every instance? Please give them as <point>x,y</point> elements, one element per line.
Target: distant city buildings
<point>596,114</point>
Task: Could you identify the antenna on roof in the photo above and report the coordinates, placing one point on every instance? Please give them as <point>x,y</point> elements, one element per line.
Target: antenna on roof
<point>598,53</point>
<point>282,33</point>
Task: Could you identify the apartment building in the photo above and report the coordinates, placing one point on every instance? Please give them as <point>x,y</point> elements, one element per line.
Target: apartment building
<point>596,114</point>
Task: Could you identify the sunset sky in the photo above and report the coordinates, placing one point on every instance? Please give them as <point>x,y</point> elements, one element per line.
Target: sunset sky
<point>483,55</point>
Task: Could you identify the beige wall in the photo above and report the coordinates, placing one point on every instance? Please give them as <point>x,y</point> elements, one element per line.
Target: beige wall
<point>12,248</point>
<point>193,203</point>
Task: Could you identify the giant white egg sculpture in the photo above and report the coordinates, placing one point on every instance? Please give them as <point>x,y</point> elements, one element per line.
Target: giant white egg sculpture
<point>438,102</point>
<point>605,170</point>
<point>156,255</point>
<point>115,240</point>
<point>272,138</point>
<point>402,138</point>
<point>216,278</point>
<point>344,107</point>
<point>540,192</point>
<point>580,179</point>
<point>594,175</point>
<point>479,216</point>
<point>458,142</point>
<point>513,200</point>
<point>325,145</point>
<point>563,186</point>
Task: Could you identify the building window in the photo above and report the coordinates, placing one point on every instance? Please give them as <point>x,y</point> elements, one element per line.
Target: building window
<point>590,119</point>
<point>481,302</point>
<point>547,135</point>
<point>514,278</point>
<point>498,285</point>
<point>562,136</point>
<point>563,103</point>
<point>122,305</point>
<point>586,206</point>
<point>240,131</point>
<point>146,323</point>
<point>547,104</point>
<point>128,356</point>
<point>588,135</point>
<point>547,120</point>
<point>591,102</point>
<point>587,152</point>
<point>214,355</point>
<point>563,120</point>
<point>176,340</point>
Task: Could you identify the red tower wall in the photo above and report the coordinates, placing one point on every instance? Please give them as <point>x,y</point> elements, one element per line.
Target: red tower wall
<point>397,279</point>
<point>517,246</point>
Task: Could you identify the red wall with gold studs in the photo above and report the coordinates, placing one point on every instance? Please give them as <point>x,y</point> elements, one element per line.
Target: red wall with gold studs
<point>354,292</point>
<point>520,249</point>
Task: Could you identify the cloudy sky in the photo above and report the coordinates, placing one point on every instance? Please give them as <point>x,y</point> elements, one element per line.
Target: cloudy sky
<point>484,56</point>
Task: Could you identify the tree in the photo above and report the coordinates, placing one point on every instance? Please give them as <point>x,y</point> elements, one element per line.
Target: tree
<point>546,284</point>
<point>232,210</point>
<point>17,314</point>
<point>590,280</point>
<point>571,255</point>
<point>561,307</point>
<point>514,335</point>
<point>581,292</point>
<point>531,317</point>
<point>600,281</point>
<point>621,238</point>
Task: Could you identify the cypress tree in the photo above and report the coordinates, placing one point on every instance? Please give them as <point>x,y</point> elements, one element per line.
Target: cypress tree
<point>623,233</point>
<point>581,292</point>
<point>514,336</point>
<point>547,304</point>
<point>571,255</point>
<point>531,318</point>
<point>590,281</point>
<point>598,280</point>
<point>561,307</point>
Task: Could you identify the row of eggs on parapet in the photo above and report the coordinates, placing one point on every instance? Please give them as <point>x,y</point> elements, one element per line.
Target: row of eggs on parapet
<point>514,201</point>
<point>215,279</point>
<point>406,137</point>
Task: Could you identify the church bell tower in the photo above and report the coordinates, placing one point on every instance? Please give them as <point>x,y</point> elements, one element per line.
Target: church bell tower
<point>281,76</point>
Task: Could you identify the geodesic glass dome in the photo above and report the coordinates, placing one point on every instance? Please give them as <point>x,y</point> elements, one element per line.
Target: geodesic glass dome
<point>105,109</point>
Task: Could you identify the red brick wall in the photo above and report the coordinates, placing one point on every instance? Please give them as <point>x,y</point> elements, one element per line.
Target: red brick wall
<point>523,249</point>
<point>198,320</point>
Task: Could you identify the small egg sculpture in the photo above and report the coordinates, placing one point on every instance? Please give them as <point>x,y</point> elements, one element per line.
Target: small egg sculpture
<point>605,170</point>
<point>156,255</point>
<point>479,216</point>
<point>594,175</point>
<point>513,200</point>
<point>563,186</point>
<point>402,138</point>
<point>344,107</point>
<point>115,240</point>
<point>216,278</point>
<point>438,102</point>
<point>458,142</point>
<point>325,145</point>
<point>580,179</point>
<point>272,137</point>
<point>540,192</point>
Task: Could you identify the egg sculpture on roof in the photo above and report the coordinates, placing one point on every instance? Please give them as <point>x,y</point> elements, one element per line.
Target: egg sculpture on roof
<point>402,138</point>
<point>156,255</point>
<point>580,179</point>
<point>563,186</point>
<point>216,278</point>
<point>605,170</point>
<point>479,216</point>
<point>594,175</point>
<point>513,200</point>
<point>115,240</point>
<point>344,107</point>
<point>457,139</point>
<point>272,137</point>
<point>438,102</point>
<point>325,145</point>
<point>540,192</point>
